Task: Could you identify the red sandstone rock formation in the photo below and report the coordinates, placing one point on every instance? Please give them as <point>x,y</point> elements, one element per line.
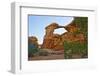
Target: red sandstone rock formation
<point>33,40</point>
<point>72,27</point>
<point>55,41</point>
<point>50,29</point>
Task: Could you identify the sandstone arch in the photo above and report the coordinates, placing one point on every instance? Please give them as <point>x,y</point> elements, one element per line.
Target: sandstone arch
<point>55,41</point>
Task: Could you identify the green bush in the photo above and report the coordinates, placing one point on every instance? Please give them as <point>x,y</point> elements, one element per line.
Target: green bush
<point>32,49</point>
<point>82,23</point>
<point>43,53</point>
<point>71,48</point>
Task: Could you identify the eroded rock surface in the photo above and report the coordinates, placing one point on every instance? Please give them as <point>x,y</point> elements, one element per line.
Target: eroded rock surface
<point>55,41</point>
<point>33,40</point>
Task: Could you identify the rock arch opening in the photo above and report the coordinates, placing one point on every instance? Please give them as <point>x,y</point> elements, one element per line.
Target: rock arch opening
<point>59,31</point>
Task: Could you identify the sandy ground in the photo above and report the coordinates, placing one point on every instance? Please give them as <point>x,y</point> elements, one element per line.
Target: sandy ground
<point>53,55</point>
<point>49,57</point>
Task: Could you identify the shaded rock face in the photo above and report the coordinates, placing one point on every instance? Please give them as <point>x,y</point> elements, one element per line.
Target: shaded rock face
<point>55,41</point>
<point>72,27</point>
<point>33,40</point>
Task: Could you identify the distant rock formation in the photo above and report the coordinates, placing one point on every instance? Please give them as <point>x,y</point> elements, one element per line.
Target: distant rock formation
<point>55,41</point>
<point>33,40</point>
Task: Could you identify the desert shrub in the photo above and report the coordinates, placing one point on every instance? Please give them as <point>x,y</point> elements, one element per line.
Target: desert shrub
<point>43,53</point>
<point>67,50</point>
<point>82,23</point>
<point>71,48</point>
<point>32,49</point>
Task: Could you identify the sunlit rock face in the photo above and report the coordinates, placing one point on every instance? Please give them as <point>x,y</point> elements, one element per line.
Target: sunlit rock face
<point>50,29</point>
<point>55,41</point>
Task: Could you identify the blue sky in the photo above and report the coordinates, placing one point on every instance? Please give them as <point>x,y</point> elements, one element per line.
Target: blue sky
<point>38,23</point>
